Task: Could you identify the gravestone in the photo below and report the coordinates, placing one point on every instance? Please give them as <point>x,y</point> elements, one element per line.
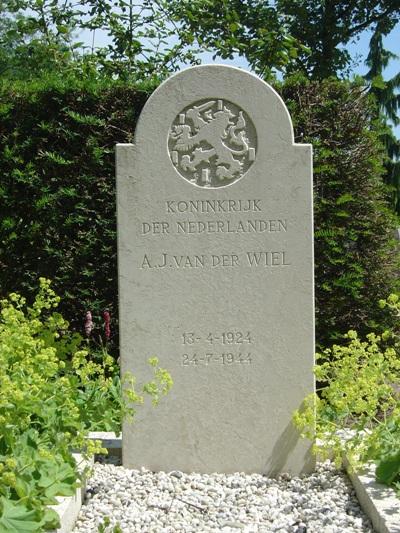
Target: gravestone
<point>216,275</point>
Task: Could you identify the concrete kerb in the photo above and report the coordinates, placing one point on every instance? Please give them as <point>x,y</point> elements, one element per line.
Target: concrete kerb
<point>378,501</point>
<point>69,507</point>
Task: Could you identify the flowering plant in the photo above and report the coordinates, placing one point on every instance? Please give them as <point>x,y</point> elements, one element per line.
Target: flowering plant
<point>356,412</point>
<point>51,395</point>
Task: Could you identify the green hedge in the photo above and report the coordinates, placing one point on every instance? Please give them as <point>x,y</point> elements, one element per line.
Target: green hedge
<point>356,256</point>
<point>57,191</point>
<point>57,194</point>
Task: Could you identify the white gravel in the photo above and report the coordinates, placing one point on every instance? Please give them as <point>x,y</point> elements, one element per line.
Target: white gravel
<point>143,501</point>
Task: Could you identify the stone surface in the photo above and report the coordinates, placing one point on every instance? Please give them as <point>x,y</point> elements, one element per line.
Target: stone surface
<point>379,502</point>
<point>216,275</point>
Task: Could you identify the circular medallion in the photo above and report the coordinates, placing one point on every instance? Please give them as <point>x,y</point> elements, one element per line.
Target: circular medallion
<point>212,143</point>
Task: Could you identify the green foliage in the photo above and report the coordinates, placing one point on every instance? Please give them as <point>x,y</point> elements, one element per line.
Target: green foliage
<point>388,104</point>
<point>151,38</point>
<point>57,189</point>
<point>105,527</point>
<point>355,253</point>
<point>308,36</point>
<point>326,28</point>
<point>51,396</point>
<point>357,412</point>
<point>144,41</point>
<point>16,518</point>
<point>253,29</point>
<point>38,37</point>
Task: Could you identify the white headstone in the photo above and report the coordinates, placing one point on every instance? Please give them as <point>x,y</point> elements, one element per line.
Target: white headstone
<point>216,275</point>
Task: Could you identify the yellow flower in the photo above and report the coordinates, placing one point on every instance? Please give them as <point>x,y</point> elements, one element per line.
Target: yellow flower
<point>11,463</point>
<point>45,453</point>
<point>9,479</point>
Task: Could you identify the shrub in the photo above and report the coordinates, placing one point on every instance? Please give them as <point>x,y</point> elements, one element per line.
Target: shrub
<point>51,396</point>
<point>355,254</point>
<point>357,412</point>
<point>57,191</point>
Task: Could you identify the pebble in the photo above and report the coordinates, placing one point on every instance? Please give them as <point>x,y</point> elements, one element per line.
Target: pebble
<point>140,501</point>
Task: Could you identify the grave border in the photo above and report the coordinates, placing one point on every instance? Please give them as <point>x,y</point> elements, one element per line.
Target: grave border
<point>69,507</point>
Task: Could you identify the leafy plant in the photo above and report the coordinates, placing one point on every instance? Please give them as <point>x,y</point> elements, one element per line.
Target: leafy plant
<point>104,527</point>
<point>38,37</point>
<point>51,396</point>
<point>357,410</point>
<point>255,30</point>
<point>308,36</point>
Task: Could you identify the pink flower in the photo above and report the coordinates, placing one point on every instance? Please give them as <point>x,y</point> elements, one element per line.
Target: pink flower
<point>107,320</point>
<point>88,323</point>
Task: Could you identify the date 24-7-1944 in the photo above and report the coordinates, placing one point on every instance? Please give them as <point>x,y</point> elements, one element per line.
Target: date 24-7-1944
<point>206,359</point>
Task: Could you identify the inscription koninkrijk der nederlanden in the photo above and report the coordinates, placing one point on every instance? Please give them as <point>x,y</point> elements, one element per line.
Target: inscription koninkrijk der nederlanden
<point>256,258</point>
<point>210,207</point>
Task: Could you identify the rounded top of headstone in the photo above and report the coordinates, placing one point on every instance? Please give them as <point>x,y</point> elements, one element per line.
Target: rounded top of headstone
<point>213,120</point>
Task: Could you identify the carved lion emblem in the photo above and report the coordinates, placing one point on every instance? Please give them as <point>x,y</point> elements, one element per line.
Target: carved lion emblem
<point>212,143</point>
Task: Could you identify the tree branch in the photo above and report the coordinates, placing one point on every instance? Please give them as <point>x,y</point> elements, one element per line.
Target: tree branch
<point>363,25</point>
